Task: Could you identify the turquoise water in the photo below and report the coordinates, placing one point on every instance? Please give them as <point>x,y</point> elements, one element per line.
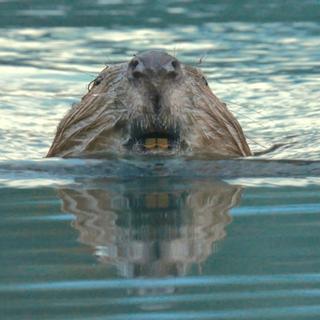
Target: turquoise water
<point>148,238</point>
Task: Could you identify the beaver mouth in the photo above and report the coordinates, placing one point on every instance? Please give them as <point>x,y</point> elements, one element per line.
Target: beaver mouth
<point>154,140</point>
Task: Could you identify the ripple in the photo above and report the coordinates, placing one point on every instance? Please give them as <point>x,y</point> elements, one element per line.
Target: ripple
<point>180,282</point>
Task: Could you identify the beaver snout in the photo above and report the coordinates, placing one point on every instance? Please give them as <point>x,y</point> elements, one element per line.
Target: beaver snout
<point>152,73</point>
<point>155,66</point>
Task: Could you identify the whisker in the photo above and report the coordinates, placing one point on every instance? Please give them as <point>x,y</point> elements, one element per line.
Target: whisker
<point>242,106</point>
<point>202,58</point>
<point>175,52</point>
<point>244,115</point>
<point>255,141</point>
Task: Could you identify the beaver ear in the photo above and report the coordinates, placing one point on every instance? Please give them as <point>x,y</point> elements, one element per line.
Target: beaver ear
<point>197,74</point>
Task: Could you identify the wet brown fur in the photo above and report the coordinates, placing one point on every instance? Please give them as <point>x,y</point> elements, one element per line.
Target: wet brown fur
<point>103,120</point>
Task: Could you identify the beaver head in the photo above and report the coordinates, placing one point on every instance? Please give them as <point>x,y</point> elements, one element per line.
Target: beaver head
<point>152,104</point>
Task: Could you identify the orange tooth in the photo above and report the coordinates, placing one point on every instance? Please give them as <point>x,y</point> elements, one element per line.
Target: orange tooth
<point>162,143</point>
<point>150,143</point>
<point>163,200</point>
<point>157,200</point>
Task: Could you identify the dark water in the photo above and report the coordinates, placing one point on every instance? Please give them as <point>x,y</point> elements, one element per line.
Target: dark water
<point>154,238</point>
<point>160,248</point>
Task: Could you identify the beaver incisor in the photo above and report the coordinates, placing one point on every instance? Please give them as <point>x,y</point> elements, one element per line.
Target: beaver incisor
<point>153,104</point>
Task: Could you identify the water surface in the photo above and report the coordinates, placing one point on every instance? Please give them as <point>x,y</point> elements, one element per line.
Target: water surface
<point>161,238</point>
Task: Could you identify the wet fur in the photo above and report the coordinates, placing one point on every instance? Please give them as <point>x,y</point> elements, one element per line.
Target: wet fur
<point>104,119</point>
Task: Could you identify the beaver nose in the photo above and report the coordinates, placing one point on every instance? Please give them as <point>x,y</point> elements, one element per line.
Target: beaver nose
<point>153,64</point>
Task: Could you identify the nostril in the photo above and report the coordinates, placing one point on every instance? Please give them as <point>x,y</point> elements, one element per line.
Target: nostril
<point>137,68</point>
<point>172,68</point>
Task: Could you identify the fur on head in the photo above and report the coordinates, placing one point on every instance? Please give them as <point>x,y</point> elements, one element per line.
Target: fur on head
<point>151,104</point>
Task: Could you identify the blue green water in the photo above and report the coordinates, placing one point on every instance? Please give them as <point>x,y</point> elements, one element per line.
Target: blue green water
<point>146,238</point>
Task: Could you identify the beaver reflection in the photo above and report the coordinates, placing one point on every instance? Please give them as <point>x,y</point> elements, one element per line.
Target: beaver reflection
<point>152,228</point>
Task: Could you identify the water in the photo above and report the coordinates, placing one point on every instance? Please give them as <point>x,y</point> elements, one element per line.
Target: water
<point>161,238</point>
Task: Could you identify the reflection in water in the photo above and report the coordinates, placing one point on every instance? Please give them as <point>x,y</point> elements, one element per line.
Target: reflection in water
<point>152,227</point>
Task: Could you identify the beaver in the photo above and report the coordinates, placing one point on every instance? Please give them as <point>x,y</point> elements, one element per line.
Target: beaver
<point>151,104</point>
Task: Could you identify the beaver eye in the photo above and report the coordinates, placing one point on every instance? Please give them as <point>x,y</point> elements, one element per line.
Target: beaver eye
<point>205,81</point>
<point>95,82</point>
<point>134,63</point>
